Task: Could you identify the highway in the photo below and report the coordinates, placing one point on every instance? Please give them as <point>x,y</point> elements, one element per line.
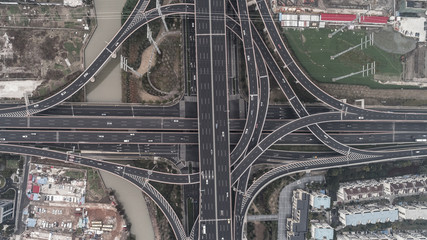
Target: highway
<point>117,110</point>
<point>264,84</point>
<point>190,124</point>
<point>112,123</point>
<point>212,97</point>
<point>242,166</point>
<point>297,105</point>
<point>162,203</point>
<point>191,138</point>
<point>293,67</point>
<point>137,110</point>
<point>119,169</point>
<point>137,19</point>
<point>161,131</point>
<point>252,78</point>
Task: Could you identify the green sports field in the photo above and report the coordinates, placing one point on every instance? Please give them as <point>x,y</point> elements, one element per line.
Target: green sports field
<point>313,49</point>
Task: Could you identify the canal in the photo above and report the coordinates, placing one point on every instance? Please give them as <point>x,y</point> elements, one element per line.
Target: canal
<point>134,204</point>
<point>107,86</point>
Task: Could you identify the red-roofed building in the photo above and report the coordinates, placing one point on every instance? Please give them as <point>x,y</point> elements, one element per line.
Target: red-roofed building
<point>36,189</point>
<point>329,17</point>
<point>373,19</point>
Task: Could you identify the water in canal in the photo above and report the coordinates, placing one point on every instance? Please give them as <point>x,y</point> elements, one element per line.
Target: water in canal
<point>107,87</point>
<point>134,204</point>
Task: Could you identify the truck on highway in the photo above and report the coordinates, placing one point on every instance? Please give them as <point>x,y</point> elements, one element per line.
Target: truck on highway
<point>420,140</point>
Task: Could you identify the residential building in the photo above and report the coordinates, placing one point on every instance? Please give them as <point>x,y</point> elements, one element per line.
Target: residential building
<point>6,210</point>
<point>410,236</point>
<point>413,212</point>
<point>405,185</point>
<point>73,3</point>
<point>297,225</point>
<point>372,189</point>
<point>352,191</point>
<point>322,231</point>
<point>377,236</point>
<point>372,236</point>
<point>364,215</point>
<point>319,200</point>
<point>420,5</point>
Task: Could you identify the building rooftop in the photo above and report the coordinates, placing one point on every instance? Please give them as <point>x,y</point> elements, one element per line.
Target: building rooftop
<point>321,231</point>
<point>36,189</point>
<point>298,224</point>
<point>357,216</point>
<point>373,19</point>
<point>31,222</point>
<point>410,236</point>
<point>371,236</point>
<point>319,200</point>
<point>337,17</point>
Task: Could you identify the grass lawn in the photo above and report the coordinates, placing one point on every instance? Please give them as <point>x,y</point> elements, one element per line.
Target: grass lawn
<point>94,181</point>
<point>190,212</point>
<point>13,9</point>
<point>12,164</point>
<point>313,49</point>
<point>75,174</point>
<point>2,181</point>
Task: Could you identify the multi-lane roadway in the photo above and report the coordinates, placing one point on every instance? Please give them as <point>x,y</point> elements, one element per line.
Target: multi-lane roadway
<point>219,170</point>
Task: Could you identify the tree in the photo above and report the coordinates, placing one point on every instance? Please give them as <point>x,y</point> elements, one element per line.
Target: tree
<point>88,2</point>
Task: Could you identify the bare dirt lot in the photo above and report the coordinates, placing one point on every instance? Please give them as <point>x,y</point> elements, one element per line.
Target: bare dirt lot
<point>50,218</point>
<point>393,42</point>
<point>45,44</point>
<point>391,97</point>
<point>380,5</point>
<point>166,74</point>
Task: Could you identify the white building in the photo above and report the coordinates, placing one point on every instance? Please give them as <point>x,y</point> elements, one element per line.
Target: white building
<point>371,189</point>
<point>409,236</point>
<point>297,20</point>
<point>372,236</point>
<point>319,201</point>
<point>413,212</point>
<point>73,3</point>
<point>351,191</point>
<point>322,231</point>
<point>405,185</point>
<point>366,215</point>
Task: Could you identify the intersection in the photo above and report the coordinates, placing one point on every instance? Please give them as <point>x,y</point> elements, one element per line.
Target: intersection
<point>227,148</point>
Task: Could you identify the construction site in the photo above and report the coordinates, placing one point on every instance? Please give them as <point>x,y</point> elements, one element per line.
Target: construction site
<point>379,7</point>
<point>58,209</point>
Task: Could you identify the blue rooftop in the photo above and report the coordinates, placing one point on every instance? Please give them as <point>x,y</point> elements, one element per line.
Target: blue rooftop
<point>31,222</point>
<point>42,181</point>
<point>323,233</point>
<point>320,201</point>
